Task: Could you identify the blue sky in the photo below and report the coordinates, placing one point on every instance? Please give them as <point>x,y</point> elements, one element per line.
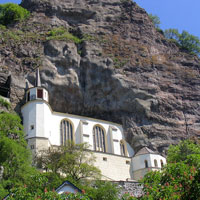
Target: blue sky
<point>180,14</point>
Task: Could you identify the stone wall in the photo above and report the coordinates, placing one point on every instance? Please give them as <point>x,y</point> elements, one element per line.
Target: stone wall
<point>133,188</point>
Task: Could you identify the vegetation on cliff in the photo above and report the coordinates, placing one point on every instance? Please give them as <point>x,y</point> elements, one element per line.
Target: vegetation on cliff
<point>184,40</point>
<point>11,13</point>
<point>4,103</point>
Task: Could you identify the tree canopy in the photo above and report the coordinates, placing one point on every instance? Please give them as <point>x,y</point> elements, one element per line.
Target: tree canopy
<point>15,158</point>
<point>185,40</point>
<point>73,160</point>
<point>155,20</point>
<point>11,13</point>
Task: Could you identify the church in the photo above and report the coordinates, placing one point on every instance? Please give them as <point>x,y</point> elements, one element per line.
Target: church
<point>114,156</point>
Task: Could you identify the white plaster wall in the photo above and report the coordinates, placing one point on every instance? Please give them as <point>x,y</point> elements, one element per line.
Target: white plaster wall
<point>115,168</point>
<point>29,118</point>
<point>40,119</point>
<point>46,95</point>
<point>138,161</point>
<point>158,158</point>
<point>48,125</point>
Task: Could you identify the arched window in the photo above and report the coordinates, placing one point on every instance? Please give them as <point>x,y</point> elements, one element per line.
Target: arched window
<point>161,163</point>
<point>99,140</point>
<point>66,132</point>
<point>155,163</point>
<point>146,164</point>
<point>123,148</point>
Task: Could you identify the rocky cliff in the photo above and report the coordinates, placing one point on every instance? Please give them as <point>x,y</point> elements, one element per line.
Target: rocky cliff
<point>106,60</point>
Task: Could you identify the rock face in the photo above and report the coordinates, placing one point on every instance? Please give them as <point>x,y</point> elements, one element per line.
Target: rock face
<point>122,69</point>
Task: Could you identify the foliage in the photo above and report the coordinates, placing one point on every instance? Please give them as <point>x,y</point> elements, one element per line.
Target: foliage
<point>185,40</point>
<point>172,34</point>
<point>180,178</point>
<point>103,190</point>
<point>4,103</point>
<point>15,157</point>
<point>185,151</point>
<point>190,42</point>
<point>155,20</point>
<point>53,180</point>
<point>62,33</point>
<point>11,13</point>
<point>23,193</point>
<point>127,196</point>
<point>73,160</point>
<point>10,126</point>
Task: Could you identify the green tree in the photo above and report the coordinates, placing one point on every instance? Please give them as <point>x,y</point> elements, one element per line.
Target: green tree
<point>11,13</point>
<point>190,42</point>
<point>73,160</point>
<point>15,158</point>
<point>185,151</point>
<point>10,126</point>
<point>172,34</point>
<point>180,178</point>
<point>185,40</point>
<point>155,20</point>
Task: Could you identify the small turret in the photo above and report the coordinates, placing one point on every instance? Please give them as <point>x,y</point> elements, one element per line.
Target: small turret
<point>146,160</point>
<point>37,92</point>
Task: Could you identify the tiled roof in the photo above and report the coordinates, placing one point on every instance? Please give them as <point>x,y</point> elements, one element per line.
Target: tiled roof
<point>144,150</point>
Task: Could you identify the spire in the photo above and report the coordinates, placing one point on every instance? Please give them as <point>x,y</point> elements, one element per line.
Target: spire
<point>37,80</point>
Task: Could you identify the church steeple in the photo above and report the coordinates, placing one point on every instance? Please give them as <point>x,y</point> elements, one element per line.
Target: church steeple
<point>37,92</point>
<point>37,80</point>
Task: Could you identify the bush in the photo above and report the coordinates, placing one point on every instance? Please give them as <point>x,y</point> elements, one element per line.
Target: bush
<point>11,13</point>
<point>4,103</point>
<point>62,33</point>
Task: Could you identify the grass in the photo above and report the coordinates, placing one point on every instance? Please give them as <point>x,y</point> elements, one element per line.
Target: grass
<point>4,103</point>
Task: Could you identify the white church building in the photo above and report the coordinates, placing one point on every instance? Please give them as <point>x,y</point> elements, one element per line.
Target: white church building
<point>114,156</point>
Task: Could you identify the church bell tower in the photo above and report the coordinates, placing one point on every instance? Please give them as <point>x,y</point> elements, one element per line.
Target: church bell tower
<point>34,115</point>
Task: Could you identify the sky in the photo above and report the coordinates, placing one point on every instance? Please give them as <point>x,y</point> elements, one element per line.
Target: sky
<point>179,14</point>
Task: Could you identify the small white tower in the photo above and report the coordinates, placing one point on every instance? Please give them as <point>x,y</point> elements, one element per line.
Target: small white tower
<point>33,113</point>
<point>145,160</point>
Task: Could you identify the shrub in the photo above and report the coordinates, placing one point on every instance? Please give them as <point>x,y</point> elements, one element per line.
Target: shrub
<point>4,103</point>
<point>62,33</point>
<point>11,13</point>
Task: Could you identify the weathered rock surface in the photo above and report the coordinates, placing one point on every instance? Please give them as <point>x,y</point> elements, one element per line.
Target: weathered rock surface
<point>123,71</point>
